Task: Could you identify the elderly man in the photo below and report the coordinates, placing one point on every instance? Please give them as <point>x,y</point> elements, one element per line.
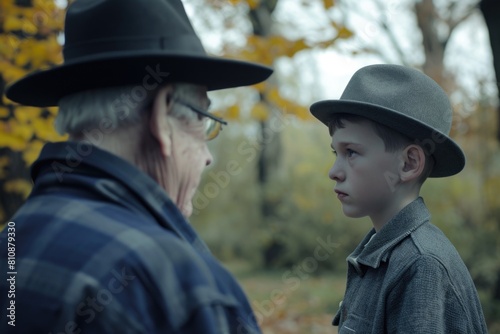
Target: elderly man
<point>102,244</point>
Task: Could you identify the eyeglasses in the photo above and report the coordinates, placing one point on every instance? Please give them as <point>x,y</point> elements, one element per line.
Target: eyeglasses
<point>213,124</point>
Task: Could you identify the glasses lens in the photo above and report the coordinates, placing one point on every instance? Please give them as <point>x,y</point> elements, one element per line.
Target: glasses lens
<point>212,128</point>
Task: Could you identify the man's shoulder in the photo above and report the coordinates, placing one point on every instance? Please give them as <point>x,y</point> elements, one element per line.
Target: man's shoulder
<point>89,231</point>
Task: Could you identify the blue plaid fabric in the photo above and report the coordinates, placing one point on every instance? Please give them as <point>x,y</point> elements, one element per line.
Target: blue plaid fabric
<point>100,248</point>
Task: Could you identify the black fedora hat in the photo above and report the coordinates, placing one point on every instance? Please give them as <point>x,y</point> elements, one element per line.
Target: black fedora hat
<point>406,100</point>
<point>128,42</point>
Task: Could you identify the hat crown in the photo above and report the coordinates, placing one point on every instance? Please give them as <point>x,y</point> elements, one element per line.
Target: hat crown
<point>144,43</point>
<point>404,90</point>
<point>405,100</point>
<point>95,27</point>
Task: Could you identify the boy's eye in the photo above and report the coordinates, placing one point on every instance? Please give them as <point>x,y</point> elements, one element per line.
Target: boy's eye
<point>350,152</point>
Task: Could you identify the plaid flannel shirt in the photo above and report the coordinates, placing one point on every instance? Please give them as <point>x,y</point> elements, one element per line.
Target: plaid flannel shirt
<point>100,248</point>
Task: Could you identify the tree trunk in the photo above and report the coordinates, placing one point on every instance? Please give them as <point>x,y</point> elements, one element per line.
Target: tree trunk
<point>491,13</point>
<point>434,46</point>
<point>10,202</point>
<point>270,143</point>
<point>270,149</point>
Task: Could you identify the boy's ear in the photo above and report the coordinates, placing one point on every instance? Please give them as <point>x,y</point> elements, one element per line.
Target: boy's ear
<point>413,163</point>
<point>159,125</point>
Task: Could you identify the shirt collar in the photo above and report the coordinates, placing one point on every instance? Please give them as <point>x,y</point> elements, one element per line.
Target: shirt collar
<point>62,162</point>
<point>376,248</point>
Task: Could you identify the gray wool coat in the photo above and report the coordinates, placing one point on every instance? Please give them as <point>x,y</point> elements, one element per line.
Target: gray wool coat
<point>409,278</point>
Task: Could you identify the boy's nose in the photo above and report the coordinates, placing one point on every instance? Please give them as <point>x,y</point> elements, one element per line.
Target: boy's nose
<point>336,173</point>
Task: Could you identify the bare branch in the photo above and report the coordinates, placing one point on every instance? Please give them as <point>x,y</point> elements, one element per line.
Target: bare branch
<point>347,7</point>
<point>453,23</point>
<point>390,33</point>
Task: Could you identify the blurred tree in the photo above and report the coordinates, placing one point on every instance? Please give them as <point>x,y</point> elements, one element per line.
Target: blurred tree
<point>266,44</point>
<point>436,22</point>
<point>437,28</point>
<point>491,12</point>
<point>29,31</point>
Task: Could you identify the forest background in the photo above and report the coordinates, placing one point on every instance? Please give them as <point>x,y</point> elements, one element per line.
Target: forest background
<point>266,207</point>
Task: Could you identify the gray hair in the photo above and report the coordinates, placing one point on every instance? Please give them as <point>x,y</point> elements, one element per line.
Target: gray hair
<point>112,108</point>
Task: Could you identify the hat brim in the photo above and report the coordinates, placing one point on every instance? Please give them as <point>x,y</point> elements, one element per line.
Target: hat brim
<point>46,88</point>
<point>449,158</point>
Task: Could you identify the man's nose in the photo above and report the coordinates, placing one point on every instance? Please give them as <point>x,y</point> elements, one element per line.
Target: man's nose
<point>209,157</point>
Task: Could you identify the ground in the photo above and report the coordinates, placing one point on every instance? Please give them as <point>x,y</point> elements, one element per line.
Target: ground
<point>285,303</point>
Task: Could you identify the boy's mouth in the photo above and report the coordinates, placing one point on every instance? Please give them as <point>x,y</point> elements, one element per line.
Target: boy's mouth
<point>340,194</point>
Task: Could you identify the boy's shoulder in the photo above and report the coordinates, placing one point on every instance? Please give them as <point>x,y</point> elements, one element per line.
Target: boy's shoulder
<point>428,246</point>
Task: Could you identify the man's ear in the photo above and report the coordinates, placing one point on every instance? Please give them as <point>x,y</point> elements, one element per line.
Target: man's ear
<point>414,163</point>
<point>159,125</point>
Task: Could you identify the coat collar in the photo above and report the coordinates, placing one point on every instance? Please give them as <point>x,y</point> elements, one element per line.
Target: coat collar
<point>376,247</point>
<point>106,175</point>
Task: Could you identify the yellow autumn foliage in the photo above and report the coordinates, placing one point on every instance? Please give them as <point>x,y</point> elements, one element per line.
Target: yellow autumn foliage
<point>18,186</point>
<point>13,142</point>
<point>232,113</point>
<point>301,112</point>
<point>4,163</point>
<point>491,192</point>
<point>328,3</point>
<point>267,49</point>
<point>251,3</point>
<point>4,112</point>
<point>274,97</point>
<point>19,130</point>
<point>12,23</point>
<point>25,115</point>
<point>44,129</point>
<point>344,33</point>
<point>28,42</point>
<point>11,72</point>
<point>260,87</point>
<point>33,151</point>
<point>260,112</point>
<point>303,202</point>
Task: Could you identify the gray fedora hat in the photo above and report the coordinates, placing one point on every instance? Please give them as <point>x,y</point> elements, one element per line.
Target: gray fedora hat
<point>125,42</point>
<point>406,100</point>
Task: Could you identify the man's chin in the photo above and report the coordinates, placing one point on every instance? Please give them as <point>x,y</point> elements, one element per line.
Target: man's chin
<point>185,204</point>
<point>187,209</point>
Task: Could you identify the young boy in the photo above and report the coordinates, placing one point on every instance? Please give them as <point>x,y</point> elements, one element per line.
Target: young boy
<point>390,132</point>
